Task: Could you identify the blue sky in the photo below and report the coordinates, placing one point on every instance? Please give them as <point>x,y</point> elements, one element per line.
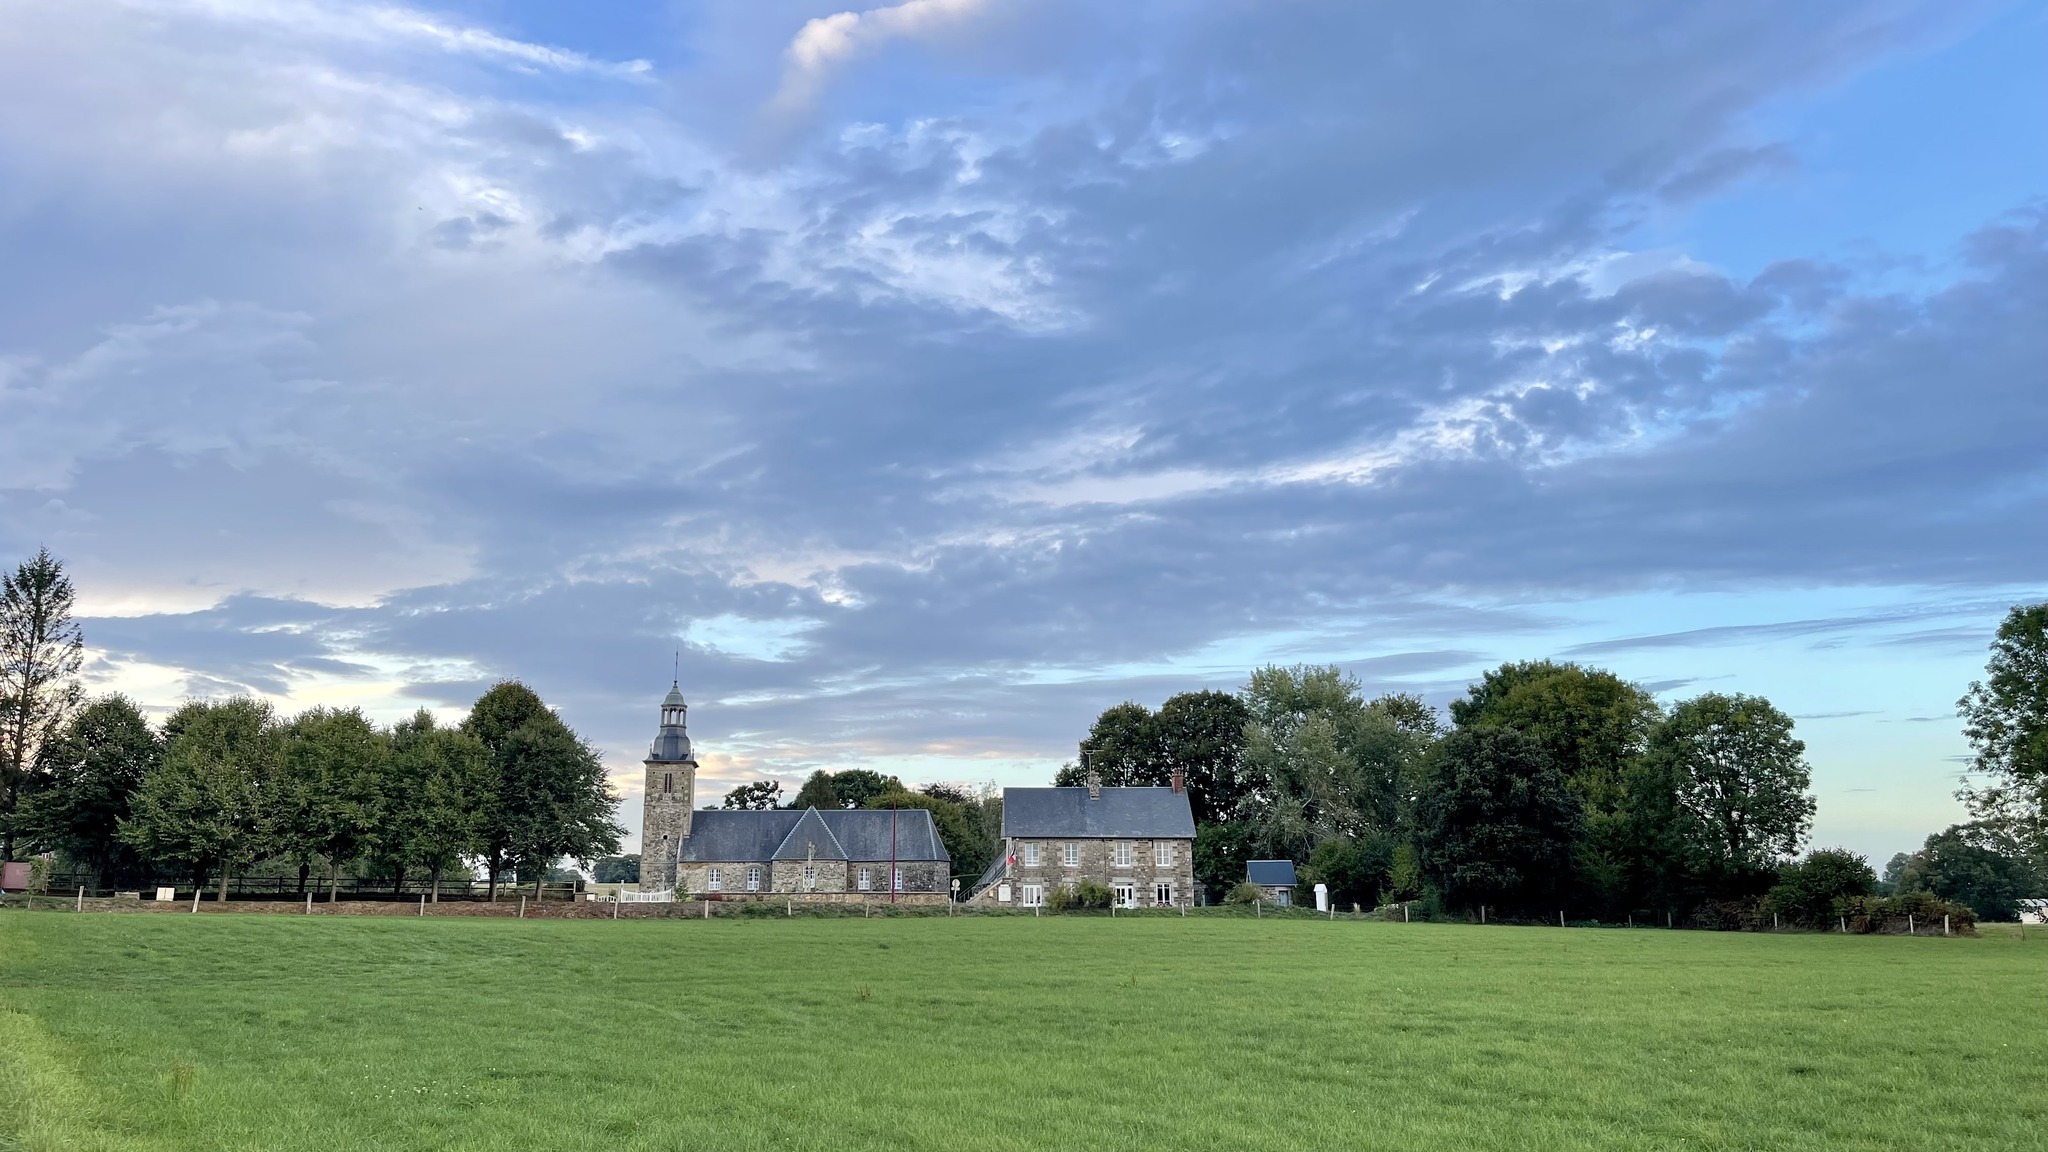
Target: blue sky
<point>935,375</point>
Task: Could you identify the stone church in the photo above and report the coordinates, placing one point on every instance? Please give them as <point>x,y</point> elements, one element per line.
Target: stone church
<point>845,855</point>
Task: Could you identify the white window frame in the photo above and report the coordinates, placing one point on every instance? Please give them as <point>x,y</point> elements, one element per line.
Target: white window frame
<point>1126,895</point>
<point>860,880</point>
<point>713,881</point>
<point>754,879</point>
<point>1162,853</point>
<point>1033,896</point>
<point>810,878</point>
<point>1162,895</point>
<point>1123,854</point>
<point>1030,854</point>
<point>896,879</point>
<point>1070,854</point>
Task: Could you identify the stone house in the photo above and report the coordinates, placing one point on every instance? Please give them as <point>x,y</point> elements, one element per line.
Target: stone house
<point>1137,842</point>
<point>1273,877</point>
<point>812,855</point>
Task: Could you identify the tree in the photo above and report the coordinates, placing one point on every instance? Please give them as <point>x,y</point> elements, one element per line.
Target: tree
<point>817,792</point>
<point>1497,819</point>
<point>1220,854</point>
<point>760,795</point>
<point>502,710</point>
<point>1738,781</point>
<point>553,798</point>
<point>980,834</point>
<point>85,785</point>
<point>1970,864</point>
<point>330,802</point>
<point>1808,891</point>
<point>41,649</point>
<point>437,793</point>
<point>1122,748</point>
<point>852,788</point>
<point>209,803</point>
<point>617,869</point>
<point>1595,727</point>
<point>2005,717</point>
<point>1201,735</point>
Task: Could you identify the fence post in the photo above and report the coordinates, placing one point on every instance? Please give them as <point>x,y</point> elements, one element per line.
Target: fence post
<point>616,894</point>
<point>195,901</point>
<point>1404,911</point>
<point>1844,921</point>
<point>522,905</point>
<point>1944,919</point>
<point>1560,917</point>
<point>81,908</point>
<point>423,904</point>
<point>1909,925</point>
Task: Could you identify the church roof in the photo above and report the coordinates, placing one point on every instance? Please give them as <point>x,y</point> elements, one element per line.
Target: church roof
<point>723,836</point>
<point>671,745</point>
<point>1130,813</point>
<point>674,699</point>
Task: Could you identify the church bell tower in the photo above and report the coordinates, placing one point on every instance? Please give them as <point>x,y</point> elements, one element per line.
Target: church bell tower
<point>670,796</point>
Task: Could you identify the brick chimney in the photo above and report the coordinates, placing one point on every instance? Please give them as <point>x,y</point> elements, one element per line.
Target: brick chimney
<point>1180,781</point>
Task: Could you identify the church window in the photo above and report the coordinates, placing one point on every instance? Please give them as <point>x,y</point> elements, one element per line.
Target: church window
<point>668,783</point>
<point>1030,855</point>
<point>1162,853</point>
<point>712,882</point>
<point>1123,854</point>
<point>753,879</point>
<point>861,881</point>
<point>810,877</point>
<point>1071,854</point>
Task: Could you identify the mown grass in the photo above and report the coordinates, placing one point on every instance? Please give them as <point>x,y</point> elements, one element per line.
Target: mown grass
<point>275,1033</point>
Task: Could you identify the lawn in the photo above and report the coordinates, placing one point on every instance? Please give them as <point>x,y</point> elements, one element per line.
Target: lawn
<point>332,1033</point>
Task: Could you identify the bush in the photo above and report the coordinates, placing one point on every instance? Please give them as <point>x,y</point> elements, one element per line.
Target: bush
<point>1078,896</point>
<point>1807,891</point>
<point>1245,892</point>
<point>1918,912</point>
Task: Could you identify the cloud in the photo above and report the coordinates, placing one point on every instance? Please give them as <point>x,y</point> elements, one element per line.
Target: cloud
<point>827,43</point>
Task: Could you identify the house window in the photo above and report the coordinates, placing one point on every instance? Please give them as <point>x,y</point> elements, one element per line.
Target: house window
<point>896,879</point>
<point>810,877</point>
<point>1126,896</point>
<point>711,882</point>
<point>1162,853</point>
<point>860,881</point>
<point>1123,854</point>
<point>753,879</point>
<point>1070,854</point>
<point>1162,895</point>
<point>1034,896</point>
<point>668,783</point>
<point>1030,855</point>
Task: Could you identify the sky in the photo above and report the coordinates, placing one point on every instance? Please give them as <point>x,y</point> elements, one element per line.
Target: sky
<point>917,381</point>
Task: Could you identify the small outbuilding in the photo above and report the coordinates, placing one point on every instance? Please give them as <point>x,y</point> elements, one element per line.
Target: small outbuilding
<point>1273,877</point>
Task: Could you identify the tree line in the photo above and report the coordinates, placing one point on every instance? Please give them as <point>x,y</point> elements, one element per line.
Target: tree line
<point>226,786</point>
<point>1553,785</point>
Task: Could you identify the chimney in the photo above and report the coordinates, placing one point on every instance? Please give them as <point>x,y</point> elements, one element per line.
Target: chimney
<point>1180,781</point>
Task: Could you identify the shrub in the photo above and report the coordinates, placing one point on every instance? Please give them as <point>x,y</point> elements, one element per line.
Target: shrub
<point>1073,897</point>
<point>1245,892</point>
<point>1918,912</point>
<point>1807,890</point>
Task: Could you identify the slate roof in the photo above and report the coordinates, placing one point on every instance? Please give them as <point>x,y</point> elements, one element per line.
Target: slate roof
<point>671,745</point>
<point>1270,873</point>
<point>720,836</point>
<point>1122,813</point>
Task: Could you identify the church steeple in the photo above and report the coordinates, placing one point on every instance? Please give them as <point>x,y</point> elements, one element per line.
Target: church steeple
<point>670,794</point>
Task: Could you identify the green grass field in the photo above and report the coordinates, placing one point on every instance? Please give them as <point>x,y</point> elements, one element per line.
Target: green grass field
<point>279,1032</point>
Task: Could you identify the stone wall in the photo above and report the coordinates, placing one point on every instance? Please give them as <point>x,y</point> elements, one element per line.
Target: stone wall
<point>1097,863</point>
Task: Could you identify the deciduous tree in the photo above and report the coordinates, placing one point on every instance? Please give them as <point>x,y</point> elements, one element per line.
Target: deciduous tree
<point>210,802</point>
<point>759,795</point>
<point>85,786</point>
<point>330,800</point>
<point>438,791</point>
<point>1496,820</point>
<point>1738,780</point>
<point>2005,717</point>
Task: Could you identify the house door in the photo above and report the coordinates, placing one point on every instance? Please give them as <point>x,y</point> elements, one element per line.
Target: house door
<point>1126,896</point>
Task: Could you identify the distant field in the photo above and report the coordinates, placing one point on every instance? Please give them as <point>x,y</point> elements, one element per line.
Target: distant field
<point>278,1032</point>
